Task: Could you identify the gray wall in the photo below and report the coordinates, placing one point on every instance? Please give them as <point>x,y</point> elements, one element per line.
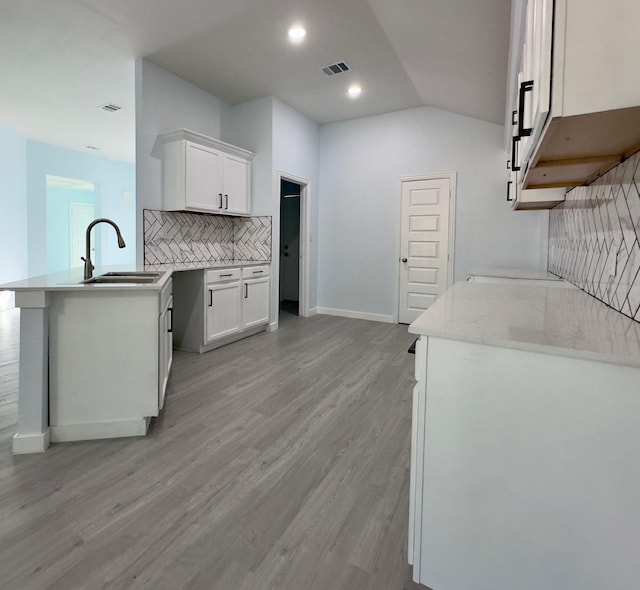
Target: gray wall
<point>13,205</point>
<point>360,163</point>
<point>165,102</point>
<point>353,168</point>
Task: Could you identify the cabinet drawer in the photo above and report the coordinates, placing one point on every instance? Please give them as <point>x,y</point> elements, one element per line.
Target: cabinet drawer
<point>254,272</point>
<point>220,275</point>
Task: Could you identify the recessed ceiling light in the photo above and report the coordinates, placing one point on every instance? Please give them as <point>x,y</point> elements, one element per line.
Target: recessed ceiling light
<point>297,33</point>
<point>354,91</point>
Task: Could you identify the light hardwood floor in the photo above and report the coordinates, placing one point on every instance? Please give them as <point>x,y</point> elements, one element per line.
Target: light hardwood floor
<point>279,462</point>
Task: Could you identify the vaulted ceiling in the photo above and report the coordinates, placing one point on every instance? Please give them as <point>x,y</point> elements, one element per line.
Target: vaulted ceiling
<point>59,61</point>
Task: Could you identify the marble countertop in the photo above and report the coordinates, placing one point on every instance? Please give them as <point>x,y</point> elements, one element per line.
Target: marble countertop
<point>176,266</point>
<point>565,322</point>
<point>515,273</point>
<point>71,280</point>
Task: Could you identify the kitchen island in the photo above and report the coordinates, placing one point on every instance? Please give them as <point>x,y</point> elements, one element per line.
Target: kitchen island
<point>525,439</point>
<point>95,358</point>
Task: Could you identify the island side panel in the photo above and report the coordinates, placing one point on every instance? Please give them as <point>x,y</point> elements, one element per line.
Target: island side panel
<point>103,363</point>
<point>32,434</point>
<point>530,471</point>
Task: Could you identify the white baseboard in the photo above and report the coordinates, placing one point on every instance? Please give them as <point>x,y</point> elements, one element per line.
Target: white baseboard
<point>272,327</point>
<point>312,311</point>
<point>98,430</point>
<point>31,443</point>
<point>356,315</point>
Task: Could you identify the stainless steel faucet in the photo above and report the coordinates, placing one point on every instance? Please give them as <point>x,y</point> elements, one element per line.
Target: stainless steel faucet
<point>88,266</point>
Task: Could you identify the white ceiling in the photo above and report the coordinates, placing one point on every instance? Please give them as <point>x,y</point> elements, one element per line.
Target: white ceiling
<point>59,61</point>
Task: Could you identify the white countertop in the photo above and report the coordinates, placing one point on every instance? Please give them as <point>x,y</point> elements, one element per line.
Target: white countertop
<point>565,322</point>
<point>515,273</point>
<point>71,280</point>
<point>175,266</point>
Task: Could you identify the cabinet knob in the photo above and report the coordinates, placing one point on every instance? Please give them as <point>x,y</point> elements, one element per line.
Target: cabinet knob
<point>404,260</point>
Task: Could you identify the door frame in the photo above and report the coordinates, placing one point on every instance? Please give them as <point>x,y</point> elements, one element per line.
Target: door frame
<point>305,240</point>
<point>451,176</point>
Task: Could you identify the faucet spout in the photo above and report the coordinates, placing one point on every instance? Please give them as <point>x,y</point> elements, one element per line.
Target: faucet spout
<point>88,265</point>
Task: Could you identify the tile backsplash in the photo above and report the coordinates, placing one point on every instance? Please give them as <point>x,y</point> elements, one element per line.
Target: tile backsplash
<point>594,238</point>
<point>176,236</point>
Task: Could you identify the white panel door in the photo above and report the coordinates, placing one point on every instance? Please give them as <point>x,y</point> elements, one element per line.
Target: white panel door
<point>203,178</point>
<point>223,310</point>
<point>424,245</point>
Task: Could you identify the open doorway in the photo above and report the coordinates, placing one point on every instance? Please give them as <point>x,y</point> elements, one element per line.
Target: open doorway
<point>290,246</point>
<point>71,206</point>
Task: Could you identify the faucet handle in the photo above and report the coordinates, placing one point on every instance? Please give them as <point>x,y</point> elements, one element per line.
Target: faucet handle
<point>85,261</point>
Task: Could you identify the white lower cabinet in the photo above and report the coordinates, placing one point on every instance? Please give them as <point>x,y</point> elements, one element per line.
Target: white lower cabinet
<point>255,302</point>
<point>165,342</point>
<point>223,310</point>
<point>217,306</point>
<point>518,458</point>
<point>255,296</point>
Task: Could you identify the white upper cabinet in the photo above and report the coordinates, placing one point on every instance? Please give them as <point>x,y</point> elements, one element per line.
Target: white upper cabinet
<point>203,174</point>
<point>236,173</point>
<point>202,178</point>
<point>578,94</point>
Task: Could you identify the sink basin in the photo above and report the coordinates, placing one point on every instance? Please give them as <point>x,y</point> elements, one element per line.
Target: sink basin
<point>116,278</point>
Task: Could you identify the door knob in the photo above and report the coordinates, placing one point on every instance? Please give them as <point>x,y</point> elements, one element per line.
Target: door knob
<point>404,260</point>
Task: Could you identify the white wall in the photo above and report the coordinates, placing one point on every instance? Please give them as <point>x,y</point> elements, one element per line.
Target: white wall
<point>360,163</point>
<point>284,141</point>
<point>250,126</point>
<point>13,210</point>
<point>296,145</point>
<point>165,102</point>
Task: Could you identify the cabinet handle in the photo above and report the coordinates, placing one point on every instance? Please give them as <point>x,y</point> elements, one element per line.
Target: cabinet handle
<point>226,201</point>
<point>514,117</point>
<point>258,272</point>
<point>170,310</point>
<point>246,290</point>
<point>508,164</point>
<point>524,88</point>
<point>226,275</point>
<point>514,153</point>
<point>509,183</point>
<point>220,195</point>
<point>210,298</point>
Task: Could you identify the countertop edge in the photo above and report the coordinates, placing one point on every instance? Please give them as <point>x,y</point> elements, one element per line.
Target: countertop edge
<point>71,281</point>
<point>531,347</point>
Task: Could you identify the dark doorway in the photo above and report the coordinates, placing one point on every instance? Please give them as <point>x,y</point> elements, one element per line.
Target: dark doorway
<point>289,247</point>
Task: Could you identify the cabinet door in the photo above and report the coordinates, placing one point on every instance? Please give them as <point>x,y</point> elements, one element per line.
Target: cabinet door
<point>223,310</point>
<point>165,350</point>
<point>236,178</point>
<point>537,97</point>
<point>203,182</point>
<point>255,302</point>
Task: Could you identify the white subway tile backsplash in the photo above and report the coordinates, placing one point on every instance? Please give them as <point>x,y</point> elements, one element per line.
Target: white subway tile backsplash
<point>594,238</point>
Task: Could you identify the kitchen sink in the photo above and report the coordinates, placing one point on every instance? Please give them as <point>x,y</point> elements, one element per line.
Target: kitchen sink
<point>116,278</point>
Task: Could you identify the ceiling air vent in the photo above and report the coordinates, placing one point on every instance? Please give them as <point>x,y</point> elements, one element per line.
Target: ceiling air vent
<point>110,107</point>
<point>337,68</point>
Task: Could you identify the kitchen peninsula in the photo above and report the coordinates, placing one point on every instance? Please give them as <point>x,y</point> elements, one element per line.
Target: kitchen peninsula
<point>525,441</point>
<point>95,357</point>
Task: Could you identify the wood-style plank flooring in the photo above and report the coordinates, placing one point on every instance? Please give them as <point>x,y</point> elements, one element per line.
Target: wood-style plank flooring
<point>280,462</point>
